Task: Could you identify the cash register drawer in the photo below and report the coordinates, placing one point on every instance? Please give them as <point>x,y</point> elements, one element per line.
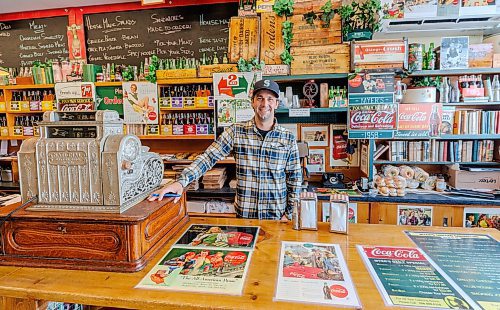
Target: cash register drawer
<point>66,240</point>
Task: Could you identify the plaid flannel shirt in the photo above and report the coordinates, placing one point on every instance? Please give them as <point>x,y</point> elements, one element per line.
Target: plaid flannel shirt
<point>268,169</point>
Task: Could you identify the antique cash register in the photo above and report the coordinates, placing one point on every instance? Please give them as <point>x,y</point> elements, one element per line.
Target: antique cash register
<point>87,182</point>
<point>83,162</point>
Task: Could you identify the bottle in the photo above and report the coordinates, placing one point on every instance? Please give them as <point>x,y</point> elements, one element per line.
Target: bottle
<point>479,81</point>
<point>112,75</point>
<point>496,88</point>
<point>75,45</point>
<point>225,60</point>
<point>435,119</point>
<point>440,183</point>
<point>431,57</point>
<point>215,59</point>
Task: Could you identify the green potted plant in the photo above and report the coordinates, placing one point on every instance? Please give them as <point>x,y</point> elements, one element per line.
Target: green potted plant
<point>360,20</point>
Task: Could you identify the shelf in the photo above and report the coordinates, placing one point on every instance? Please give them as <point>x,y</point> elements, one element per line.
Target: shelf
<point>9,186</point>
<point>455,72</point>
<point>17,138</point>
<point>382,162</point>
<point>285,78</point>
<point>22,112</point>
<point>316,110</point>
<point>212,214</point>
<point>470,104</point>
<point>8,158</point>
<point>97,84</point>
<point>225,191</point>
<point>33,86</point>
<point>475,137</point>
<point>184,81</point>
<point>187,109</point>
<point>179,137</point>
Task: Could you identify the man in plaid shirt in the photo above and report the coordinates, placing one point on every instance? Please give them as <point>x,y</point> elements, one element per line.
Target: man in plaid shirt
<point>268,168</point>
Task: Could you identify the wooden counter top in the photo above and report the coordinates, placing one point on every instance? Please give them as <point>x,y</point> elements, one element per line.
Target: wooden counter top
<point>117,289</point>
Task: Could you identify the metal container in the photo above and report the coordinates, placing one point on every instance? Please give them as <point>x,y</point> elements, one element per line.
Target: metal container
<point>416,56</point>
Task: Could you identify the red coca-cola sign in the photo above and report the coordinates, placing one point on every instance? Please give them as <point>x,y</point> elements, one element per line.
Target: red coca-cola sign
<point>74,107</point>
<point>394,253</point>
<point>339,291</point>
<point>235,258</point>
<point>374,117</point>
<point>414,116</point>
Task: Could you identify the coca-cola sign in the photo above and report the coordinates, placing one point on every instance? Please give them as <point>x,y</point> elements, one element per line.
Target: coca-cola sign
<point>373,117</point>
<point>394,253</point>
<point>419,120</point>
<point>75,107</point>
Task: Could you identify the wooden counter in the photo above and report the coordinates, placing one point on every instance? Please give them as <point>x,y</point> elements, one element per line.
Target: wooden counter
<point>23,286</point>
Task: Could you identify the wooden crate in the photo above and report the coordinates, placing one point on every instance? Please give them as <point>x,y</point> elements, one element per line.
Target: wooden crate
<point>333,58</point>
<point>305,6</point>
<point>209,70</point>
<point>244,38</point>
<point>175,73</point>
<point>380,54</point>
<point>271,38</point>
<point>305,34</point>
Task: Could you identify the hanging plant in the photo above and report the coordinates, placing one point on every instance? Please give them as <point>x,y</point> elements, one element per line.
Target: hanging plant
<point>360,21</point>
<point>328,13</point>
<point>153,66</point>
<point>310,17</point>
<point>286,57</point>
<point>283,7</point>
<point>128,74</point>
<point>251,65</point>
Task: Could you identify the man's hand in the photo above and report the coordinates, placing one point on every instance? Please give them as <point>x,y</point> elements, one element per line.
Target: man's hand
<point>284,218</point>
<point>175,188</point>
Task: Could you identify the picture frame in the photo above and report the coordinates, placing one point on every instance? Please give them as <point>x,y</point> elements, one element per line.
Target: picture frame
<point>454,53</point>
<point>415,215</point>
<point>315,135</point>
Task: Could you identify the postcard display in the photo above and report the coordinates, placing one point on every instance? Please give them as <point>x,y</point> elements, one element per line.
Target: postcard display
<point>209,259</point>
<point>445,272</point>
<point>314,273</point>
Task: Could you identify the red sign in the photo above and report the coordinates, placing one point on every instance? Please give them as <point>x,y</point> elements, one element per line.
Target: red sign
<point>74,107</point>
<point>414,116</point>
<point>338,291</point>
<point>394,253</point>
<point>373,117</point>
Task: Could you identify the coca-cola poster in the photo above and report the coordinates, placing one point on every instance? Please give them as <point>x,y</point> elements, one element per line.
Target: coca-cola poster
<point>405,277</point>
<point>368,83</point>
<point>75,96</point>
<point>372,121</point>
<point>315,273</point>
<point>419,120</point>
<point>140,103</point>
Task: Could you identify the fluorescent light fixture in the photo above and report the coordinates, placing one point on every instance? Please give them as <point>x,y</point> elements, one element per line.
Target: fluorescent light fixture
<point>152,2</point>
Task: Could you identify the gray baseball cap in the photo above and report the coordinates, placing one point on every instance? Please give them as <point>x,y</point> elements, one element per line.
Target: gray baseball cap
<point>266,84</point>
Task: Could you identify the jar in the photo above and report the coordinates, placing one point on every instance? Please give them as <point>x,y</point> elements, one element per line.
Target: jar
<point>440,184</point>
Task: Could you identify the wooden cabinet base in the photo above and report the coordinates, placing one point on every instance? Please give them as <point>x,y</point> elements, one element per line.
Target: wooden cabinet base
<point>87,241</point>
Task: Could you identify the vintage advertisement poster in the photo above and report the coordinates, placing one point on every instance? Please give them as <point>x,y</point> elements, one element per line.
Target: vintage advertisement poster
<point>414,215</point>
<point>482,218</point>
<point>475,7</point>
<point>372,121</point>
<point>419,120</point>
<point>370,83</point>
<point>420,8</point>
<point>110,98</point>
<point>352,216</point>
<point>235,85</point>
<point>454,53</point>
<point>393,9</point>
<point>314,136</point>
<point>212,270</point>
<point>243,110</point>
<point>140,103</point>
<point>75,96</point>
<point>226,114</point>
<point>199,235</point>
<point>314,273</point>
<point>404,277</point>
<point>471,261</point>
<point>316,160</point>
<point>370,53</point>
<point>343,152</point>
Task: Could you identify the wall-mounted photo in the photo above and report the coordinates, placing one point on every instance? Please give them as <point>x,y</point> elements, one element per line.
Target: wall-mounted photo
<point>315,136</point>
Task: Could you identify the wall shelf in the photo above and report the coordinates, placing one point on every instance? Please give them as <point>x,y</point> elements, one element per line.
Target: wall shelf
<point>317,110</point>
<point>187,109</point>
<point>98,84</point>
<point>291,78</point>
<point>31,86</point>
<point>386,162</point>
<point>471,104</point>
<point>455,72</point>
<point>184,81</point>
<point>179,137</point>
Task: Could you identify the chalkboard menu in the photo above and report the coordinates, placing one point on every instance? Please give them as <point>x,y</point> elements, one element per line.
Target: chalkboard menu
<point>129,37</point>
<point>25,41</point>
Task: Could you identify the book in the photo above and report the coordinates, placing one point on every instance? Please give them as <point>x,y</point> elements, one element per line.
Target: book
<point>447,118</point>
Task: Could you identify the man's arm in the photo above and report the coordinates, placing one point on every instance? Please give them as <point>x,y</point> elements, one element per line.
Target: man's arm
<point>293,179</point>
<point>216,151</point>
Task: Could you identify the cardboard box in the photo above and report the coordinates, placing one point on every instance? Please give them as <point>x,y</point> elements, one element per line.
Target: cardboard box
<point>481,55</point>
<point>462,179</point>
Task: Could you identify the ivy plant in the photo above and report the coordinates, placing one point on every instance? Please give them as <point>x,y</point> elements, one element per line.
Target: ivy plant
<point>252,64</point>
<point>328,13</point>
<point>426,81</point>
<point>128,73</point>
<point>153,66</point>
<point>283,7</point>
<point>286,57</point>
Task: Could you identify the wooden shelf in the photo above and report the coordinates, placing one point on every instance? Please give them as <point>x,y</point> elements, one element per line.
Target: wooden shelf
<point>470,104</point>
<point>285,78</point>
<point>231,215</point>
<point>8,158</point>
<point>382,162</point>
<point>187,161</point>
<point>16,138</point>
<point>317,110</point>
<point>22,112</point>
<point>473,137</point>
<point>33,86</point>
<point>97,84</point>
<point>187,109</point>
<point>184,81</point>
<point>455,72</point>
<point>179,137</point>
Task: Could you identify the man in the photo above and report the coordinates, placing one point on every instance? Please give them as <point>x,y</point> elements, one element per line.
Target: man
<point>268,170</point>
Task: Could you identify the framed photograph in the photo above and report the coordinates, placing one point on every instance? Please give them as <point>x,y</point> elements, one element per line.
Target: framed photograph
<point>293,128</point>
<point>314,136</point>
<point>316,160</point>
<point>415,215</point>
<point>454,53</point>
<point>482,218</point>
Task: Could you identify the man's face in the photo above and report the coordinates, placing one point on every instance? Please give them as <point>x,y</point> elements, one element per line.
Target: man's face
<point>264,103</point>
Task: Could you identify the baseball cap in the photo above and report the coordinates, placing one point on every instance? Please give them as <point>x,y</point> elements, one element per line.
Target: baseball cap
<point>266,84</point>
